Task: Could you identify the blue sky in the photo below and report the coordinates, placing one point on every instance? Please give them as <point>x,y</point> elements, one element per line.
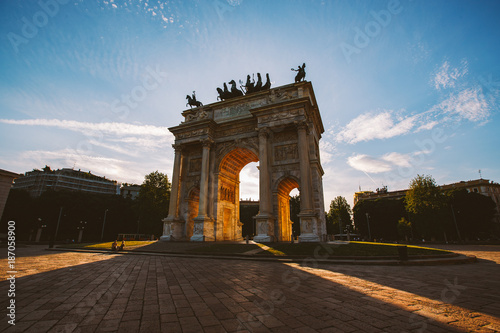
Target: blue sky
<point>404,87</point>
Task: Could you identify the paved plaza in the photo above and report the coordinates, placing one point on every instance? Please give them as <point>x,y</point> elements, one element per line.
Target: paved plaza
<point>95,292</point>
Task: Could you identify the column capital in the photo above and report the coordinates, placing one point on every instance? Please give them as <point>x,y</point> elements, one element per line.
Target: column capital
<point>207,142</point>
<point>177,147</point>
<point>264,131</point>
<point>302,125</point>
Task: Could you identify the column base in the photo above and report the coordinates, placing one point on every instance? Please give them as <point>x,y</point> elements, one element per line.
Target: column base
<point>203,230</point>
<point>308,238</point>
<point>167,238</point>
<point>263,239</point>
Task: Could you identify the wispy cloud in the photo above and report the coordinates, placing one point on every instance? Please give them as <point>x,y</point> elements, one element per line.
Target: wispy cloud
<point>385,163</point>
<point>371,126</point>
<point>427,126</point>
<point>446,77</point>
<point>468,104</point>
<point>91,128</point>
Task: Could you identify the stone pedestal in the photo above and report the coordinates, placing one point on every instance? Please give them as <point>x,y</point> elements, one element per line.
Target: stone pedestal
<point>308,228</point>
<point>203,230</point>
<point>265,229</point>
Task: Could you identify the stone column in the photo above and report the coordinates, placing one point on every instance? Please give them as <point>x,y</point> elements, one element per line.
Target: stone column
<point>201,229</point>
<point>264,220</point>
<point>173,227</point>
<point>308,218</point>
<point>305,170</point>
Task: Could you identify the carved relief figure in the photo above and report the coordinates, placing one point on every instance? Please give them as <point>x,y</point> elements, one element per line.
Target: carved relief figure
<point>286,152</point>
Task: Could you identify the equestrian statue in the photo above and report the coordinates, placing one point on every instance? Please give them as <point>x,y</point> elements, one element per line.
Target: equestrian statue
<point>192,101</point>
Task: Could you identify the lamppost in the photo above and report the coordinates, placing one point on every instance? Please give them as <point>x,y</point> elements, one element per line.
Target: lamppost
<point>368,222</point>
<point>455,220</point>
<point>348,232</point>
<point>80,228</point>
<point>58,222</point>
<point>39,231</point>
<point>103,224</point>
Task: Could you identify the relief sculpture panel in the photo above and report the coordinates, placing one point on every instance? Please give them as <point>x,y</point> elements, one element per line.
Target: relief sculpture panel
<point>286,153</point>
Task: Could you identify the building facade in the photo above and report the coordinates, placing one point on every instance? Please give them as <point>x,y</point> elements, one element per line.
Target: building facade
<point>130,191</point>
<point>38,181</point>
<point>6,178</point>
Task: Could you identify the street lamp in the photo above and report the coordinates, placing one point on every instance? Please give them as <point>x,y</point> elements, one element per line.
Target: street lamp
<point>80,230</point>
<point>103,224</point>
<point>455,220</point>
<point>368,222</point>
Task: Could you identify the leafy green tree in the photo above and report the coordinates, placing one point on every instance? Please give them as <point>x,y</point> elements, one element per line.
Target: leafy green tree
<point>294,212</point>
<point>472,212</point>
<point>382,220</point>
<point>404,229</point>
<point>339,213</point>
<point>424,203</point>
<point>153,202</point>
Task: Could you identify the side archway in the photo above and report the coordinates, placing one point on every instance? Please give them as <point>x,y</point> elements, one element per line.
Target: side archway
<point>285,186</point>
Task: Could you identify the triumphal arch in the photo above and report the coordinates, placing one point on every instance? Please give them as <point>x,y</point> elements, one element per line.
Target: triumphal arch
<point>279,128</point>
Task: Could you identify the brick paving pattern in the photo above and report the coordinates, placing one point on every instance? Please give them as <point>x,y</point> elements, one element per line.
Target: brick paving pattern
<point>88,292</point>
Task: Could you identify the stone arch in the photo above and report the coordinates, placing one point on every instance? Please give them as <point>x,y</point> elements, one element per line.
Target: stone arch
<point>228,226</point>
<point>285,185</point>
<point>281,129</point>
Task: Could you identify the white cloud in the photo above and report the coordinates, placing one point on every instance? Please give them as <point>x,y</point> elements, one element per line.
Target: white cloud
<point>469,104</point>
<point>427,126</point>
<point>446,76</point>
<point>384,163</point>
<point>402,160</point>
<point>371,126</point>
<point>93,128</point>
<point>368,164</point>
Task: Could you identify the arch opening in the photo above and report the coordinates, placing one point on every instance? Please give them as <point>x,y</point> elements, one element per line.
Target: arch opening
<point>286,187</point>
<point>229,226</point>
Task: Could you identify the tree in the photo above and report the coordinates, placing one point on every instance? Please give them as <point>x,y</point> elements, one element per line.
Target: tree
<point>294,212</point>
<point>153,202</point>
<point>404,229</point>
<point>378,218</point>
<point>339,216</point>
<point>424,203</point>
<point>470,214</point>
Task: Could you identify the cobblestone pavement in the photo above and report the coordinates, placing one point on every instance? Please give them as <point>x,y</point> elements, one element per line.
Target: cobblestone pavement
<point>87,292</point>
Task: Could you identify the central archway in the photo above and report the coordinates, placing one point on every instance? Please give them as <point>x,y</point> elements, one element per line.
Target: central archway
<point>228,227</point>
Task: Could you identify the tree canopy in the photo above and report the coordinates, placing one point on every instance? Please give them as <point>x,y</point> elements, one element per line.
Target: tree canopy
<point>339,216</point>
<point>153,202</point>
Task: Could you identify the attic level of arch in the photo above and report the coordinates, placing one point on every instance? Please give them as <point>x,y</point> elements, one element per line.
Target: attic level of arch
<point>280,129</point>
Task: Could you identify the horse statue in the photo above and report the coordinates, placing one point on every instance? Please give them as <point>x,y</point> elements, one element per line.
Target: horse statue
<point>192,101</point>
<point>258,85</point>
<point>224,94</point>
<point>301,73</point>
<point>249,86</point>
<point>235,92</point>
<point>267,85</point>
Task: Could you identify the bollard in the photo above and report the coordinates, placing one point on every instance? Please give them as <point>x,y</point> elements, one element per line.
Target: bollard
<point>246,238</point>
<point>403,252</point>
